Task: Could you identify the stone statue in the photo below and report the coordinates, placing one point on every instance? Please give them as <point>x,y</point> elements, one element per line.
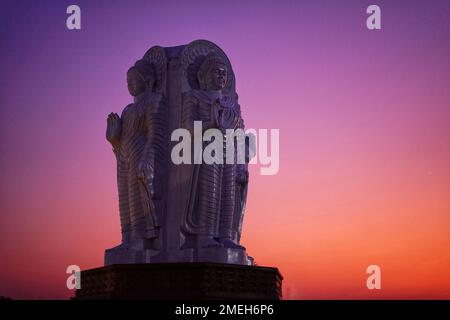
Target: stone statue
<point>175,211</point>
<point>187,212</point>
<point>139,142</point>
<point>217,190</point>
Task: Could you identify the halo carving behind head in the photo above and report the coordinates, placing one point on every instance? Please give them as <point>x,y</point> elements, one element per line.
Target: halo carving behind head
<point>192,58</point>
<point>156,56</point>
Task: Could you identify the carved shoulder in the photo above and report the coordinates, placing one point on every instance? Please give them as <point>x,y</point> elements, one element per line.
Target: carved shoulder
<point>126,109</point>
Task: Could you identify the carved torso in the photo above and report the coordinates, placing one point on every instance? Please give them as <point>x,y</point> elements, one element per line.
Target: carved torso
<point>135,126</point>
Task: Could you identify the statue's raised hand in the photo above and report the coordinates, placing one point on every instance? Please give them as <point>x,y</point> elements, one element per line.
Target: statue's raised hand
<point>114,129</point>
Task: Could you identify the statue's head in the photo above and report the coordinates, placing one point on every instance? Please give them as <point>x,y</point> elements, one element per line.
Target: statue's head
<point>212,74</point>
<point>140,77</point>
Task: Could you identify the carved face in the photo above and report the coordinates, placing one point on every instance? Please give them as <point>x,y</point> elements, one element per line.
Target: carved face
<point>136,85</point>
<point>216,78</point>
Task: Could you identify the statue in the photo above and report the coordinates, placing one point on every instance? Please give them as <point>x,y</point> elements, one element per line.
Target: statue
<point>172,212</point>
<point>218,191</point>
<point>138,138</point>
<point>188,212</point>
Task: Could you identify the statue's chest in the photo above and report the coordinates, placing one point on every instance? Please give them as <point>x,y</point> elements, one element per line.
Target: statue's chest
<point>133,120</point>
<point>226,114</point>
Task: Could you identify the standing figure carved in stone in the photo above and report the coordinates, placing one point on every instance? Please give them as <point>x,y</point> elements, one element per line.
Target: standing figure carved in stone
<point>218,190</point>
<point>138,139</point>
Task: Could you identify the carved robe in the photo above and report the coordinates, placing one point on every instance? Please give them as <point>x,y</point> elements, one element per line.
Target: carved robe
<point>142,139</point>
<point>217,200</point>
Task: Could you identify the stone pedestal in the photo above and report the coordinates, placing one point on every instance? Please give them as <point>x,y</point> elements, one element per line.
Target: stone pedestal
<point>127,255</point>
<point>180,281</point>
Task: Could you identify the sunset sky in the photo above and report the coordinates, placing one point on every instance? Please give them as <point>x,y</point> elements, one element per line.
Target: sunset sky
<point>364,120</point>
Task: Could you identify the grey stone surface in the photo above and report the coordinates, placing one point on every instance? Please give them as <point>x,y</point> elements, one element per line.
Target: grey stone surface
<point>186,212</point>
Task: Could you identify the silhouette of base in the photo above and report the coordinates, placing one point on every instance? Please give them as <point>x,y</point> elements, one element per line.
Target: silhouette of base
<point>172,281</point>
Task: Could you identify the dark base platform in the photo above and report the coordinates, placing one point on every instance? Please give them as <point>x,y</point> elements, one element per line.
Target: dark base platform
<point>173,281</point>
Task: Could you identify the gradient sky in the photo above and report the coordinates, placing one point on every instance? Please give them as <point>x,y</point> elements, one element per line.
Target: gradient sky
<point>364,119</point>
